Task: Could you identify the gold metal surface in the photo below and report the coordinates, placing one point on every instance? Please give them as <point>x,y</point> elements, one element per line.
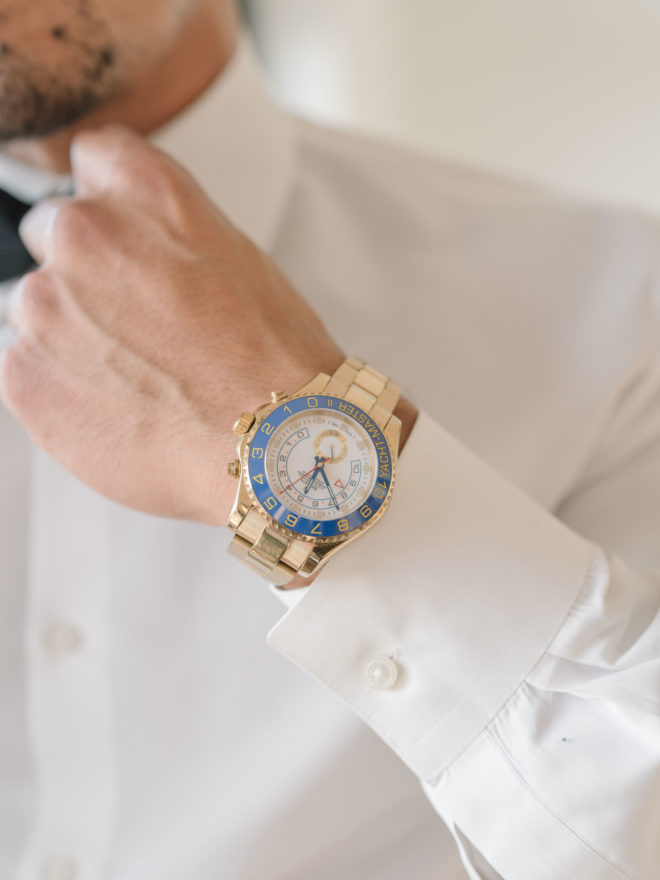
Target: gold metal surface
<point>360,397</point>
<point>370,381</point>
<point>252,526</point>
<point>234,468</point>
<point>243,423</point>
<point>297,553</point>
<point>268,548</point>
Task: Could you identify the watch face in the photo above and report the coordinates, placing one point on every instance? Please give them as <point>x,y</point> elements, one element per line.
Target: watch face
<point>319,466</point>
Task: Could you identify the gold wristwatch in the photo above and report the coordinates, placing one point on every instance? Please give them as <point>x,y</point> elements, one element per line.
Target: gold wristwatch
<point>315,469</point>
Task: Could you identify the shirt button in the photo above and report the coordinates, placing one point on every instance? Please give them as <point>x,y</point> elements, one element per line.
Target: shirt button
<point>59,868</point>
<point>381,672</point>
<point>62,639</point>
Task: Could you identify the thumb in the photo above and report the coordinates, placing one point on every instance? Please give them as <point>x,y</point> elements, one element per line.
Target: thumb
<point>116,162</point>
<point>96,154</point>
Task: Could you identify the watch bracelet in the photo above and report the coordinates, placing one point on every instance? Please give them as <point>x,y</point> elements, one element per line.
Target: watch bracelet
<point>276,556</point>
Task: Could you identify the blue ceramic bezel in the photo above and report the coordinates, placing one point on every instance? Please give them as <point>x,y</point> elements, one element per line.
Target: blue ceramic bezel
<point>267,497</point>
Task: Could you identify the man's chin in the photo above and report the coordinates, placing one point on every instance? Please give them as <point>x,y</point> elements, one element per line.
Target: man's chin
<point>18,124</point>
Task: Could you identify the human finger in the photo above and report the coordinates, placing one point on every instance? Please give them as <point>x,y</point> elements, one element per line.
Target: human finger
<point>95,155</point>
<point>116,164</point>
<point>37,224</point>
<point>12,304</point>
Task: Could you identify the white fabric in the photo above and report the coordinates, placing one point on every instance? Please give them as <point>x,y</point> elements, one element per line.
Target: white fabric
<point>147,731</point>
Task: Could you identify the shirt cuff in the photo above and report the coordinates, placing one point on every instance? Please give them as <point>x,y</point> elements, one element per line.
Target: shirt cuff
<point>463,585</point>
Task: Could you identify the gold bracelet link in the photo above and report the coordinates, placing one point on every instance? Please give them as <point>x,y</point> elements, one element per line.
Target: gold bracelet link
<point>279,575</point>
<point>365,387</point>
<point>273,554</point>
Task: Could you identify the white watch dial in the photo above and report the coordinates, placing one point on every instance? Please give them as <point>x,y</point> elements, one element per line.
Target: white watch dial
<point>321,464</point>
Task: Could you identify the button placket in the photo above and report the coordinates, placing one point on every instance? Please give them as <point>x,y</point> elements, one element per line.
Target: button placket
<point>67,667</point>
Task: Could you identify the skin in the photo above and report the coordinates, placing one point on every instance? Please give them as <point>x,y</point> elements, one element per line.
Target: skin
<point>129,371</point>
<point>71,65</point>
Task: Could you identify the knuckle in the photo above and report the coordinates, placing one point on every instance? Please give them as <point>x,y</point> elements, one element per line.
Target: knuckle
<point>38,299</point>
<point>71,217</point>
<point>149,170</point>
<point>76,222</point>
<point>17,382</point>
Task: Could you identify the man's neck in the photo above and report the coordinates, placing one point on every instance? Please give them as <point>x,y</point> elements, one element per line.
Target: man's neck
<point>202,52</point>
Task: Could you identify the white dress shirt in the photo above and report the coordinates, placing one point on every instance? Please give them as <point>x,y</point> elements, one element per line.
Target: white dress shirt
<point>488,655</point>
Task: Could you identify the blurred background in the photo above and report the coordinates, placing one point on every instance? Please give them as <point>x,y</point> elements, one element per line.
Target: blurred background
<point>564,92</point>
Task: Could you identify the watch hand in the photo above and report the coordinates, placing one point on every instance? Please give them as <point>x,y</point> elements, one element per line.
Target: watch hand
<point>327,483</point>
<point>316,467</point>
<point>311,482</point>
<point>319,461</point>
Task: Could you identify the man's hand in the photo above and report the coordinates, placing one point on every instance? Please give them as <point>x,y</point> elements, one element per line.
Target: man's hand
<point>150,324</point>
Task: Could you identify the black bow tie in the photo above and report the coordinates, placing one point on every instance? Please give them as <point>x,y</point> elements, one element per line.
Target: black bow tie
<point>14,258</point>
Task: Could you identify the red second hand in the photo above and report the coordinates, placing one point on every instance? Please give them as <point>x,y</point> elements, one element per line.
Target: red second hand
<point>315,468</point>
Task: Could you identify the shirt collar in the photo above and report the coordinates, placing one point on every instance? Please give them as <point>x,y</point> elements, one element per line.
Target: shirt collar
<point>239,145</point>
<point>233,139</point>
<point>29,183</point>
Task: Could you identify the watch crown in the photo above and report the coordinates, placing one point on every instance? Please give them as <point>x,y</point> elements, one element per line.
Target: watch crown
<point>234,468</point>
<point>243,423</point>
<point>276,396</point>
